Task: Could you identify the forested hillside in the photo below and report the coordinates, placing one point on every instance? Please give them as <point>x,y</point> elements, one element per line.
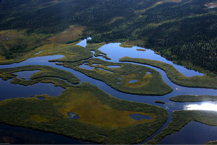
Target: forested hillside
<point>181,30</point>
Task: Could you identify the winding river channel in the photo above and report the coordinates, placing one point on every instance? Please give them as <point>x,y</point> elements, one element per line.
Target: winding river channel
<point>193,132</point>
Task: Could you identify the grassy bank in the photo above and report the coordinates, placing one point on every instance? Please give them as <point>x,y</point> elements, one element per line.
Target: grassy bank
<point>103,115</point>
<point>181,118</point>
<point>193,98</point>
<point>45,71</point>
<point>148,81</point>
<point>175,76</point>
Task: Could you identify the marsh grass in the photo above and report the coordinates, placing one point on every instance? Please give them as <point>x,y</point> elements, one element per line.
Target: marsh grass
<point>147,84</point>
<point>175,76</point>
<point>45,71</point>
<point>193,98</point>
<point>99,113</point>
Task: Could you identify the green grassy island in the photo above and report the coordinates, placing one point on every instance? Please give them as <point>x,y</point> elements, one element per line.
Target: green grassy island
<point>104,119</point>
<point>193,98</point>
<point>175,76</point>
<point>181,118</point>
<point>147,80</point>
<point>45,71</point>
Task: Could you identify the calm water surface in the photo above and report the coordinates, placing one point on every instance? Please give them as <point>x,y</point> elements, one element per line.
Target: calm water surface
<point>115,52</point>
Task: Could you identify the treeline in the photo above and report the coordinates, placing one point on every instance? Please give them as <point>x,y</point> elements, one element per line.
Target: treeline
<point>179,31</point>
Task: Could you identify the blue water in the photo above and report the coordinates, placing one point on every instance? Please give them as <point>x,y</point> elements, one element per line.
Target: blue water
<point>192,133</point>
<point>83,42</point>
<point>85,66</point>
<point>113,66</point>
<point>139,116</point>
<point>26,74</point>
<point>41,98</point>
<point>133,81</point>
<point>117,53</point>
<point>73,116</point>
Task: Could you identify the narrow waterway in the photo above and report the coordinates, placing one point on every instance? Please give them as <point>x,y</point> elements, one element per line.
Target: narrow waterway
<point>115,52</point>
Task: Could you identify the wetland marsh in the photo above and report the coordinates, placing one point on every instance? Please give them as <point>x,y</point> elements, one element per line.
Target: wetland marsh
<point>95,63</point>
<point>109,72</point>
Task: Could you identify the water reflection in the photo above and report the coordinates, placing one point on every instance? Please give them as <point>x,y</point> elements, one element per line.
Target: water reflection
<point>26,74</point>
<point>115,52</point>
<point>84,42</point>
<point>192,133</point>
<point>208,106</point>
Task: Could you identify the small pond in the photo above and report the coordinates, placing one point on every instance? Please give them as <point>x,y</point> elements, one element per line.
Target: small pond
<point>26,74</point>
<point>133,81</point>
<point>73,116</point>
<point>139,116</point>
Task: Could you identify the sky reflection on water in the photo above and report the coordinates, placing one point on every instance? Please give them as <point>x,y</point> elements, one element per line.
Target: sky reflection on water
<point>115,52</point>
<point>208,106</point>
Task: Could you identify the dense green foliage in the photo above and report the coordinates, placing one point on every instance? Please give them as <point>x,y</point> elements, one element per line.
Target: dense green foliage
<point>183,32</point>
<point>193,98</point>
<point>15,49</point>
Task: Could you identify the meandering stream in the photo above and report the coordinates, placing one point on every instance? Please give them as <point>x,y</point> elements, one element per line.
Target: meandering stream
<point>114,51</point>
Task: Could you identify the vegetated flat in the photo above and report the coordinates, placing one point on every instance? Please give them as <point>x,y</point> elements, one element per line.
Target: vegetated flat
<point>193,98</point>
<point>102,114</point>
<point>148,81</point>
<point>181,118</point>
<point>175,76</point>
<point>45,71</point>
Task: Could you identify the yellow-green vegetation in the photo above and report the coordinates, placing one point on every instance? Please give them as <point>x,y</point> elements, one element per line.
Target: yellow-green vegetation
<point>38,118</point>
<point>45,71</point>
<point>175,76</point>
<point>149,81</point>
<point>21,46</point>
<point>212,142</point>
<point>140,49</point>
<point>181,118</point>
<point>72,52</point>
<point>67,36</point>
<point>130,44</point>
<point>16,44</point>
<point>100,114</point>
<point>193,98</point>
